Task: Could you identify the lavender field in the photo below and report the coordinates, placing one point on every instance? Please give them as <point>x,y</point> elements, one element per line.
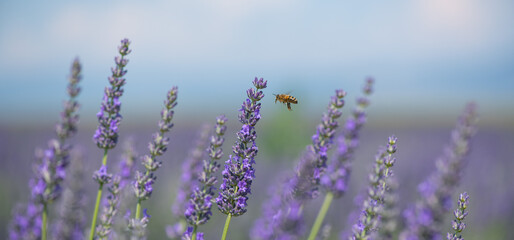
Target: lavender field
<point>257,120</point>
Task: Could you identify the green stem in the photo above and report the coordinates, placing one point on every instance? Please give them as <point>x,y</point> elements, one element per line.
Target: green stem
<point>44,222</point>
<point>321,215</point>
<point>138,209</point>
<point>194,233</point>
<point>97,204</point>
<point>95,213</point>
<point>225,229</point>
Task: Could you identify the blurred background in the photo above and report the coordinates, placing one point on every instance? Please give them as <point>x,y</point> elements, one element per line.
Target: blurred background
<point>429,58</point>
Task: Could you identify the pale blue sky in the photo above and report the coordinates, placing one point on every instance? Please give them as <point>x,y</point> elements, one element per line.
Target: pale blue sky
<point>428,56</point>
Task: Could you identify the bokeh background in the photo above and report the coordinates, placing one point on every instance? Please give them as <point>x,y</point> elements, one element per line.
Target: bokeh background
<point>428,57</point>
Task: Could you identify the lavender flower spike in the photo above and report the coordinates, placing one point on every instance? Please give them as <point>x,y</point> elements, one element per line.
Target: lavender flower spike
<point>198,210</point>
<point>338,171</point>
<point>368,221</point>
<point>239,172</point>
<point>109,117</point>
<point>460,213</point>
<point>143,185</point>
<point>425,219</point>
<point>322,140</point>
<point>50,169</point>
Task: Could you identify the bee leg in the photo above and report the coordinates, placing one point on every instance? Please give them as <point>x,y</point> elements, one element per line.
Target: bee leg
<point>289,106</point>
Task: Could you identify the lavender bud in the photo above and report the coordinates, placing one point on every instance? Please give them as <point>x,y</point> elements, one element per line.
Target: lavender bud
<point>102,176</point>
<point>460,213</point>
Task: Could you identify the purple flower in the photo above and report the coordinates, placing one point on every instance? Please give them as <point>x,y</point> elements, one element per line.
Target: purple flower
<point>144,181</point>
<point>51,163</point>
<point>338,172</point>
<point>109,118</point>
<point>198,210</point>
<point>425,219</point>
<point>322,140</point>
<point>239,169</point>
<point>369,218</point>
<point>460,213</point>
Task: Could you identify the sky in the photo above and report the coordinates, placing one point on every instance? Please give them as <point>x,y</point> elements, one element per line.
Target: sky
<point>428,56</point>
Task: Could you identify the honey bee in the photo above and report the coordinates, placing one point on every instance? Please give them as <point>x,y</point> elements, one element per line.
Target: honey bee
<point>287,99</point>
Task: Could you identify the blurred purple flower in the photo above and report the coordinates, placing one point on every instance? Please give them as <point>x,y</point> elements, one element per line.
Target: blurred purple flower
<point>50,166</point>
<point>338,171</point>
<point>71,221</point>
<point>424,220</point>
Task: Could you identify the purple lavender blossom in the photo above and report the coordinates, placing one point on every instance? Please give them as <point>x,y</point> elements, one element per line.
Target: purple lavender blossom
<point>460,213</point>
<point>239,172</point>
<point>338,171</point>
<point>26,224</point>
<point>50,167</point>
<point>143,185</point>
<point>109,117</point>
<point>103,230</point>
<point>198,210</point>
<point>71,221</point>
<point>368,221</point>
<point>425,219</point>
<point>322,140</point>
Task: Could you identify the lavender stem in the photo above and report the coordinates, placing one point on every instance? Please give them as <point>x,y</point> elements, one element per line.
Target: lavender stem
<point>225,229</point>
<point>98,198</point>
<point>321,215</point>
